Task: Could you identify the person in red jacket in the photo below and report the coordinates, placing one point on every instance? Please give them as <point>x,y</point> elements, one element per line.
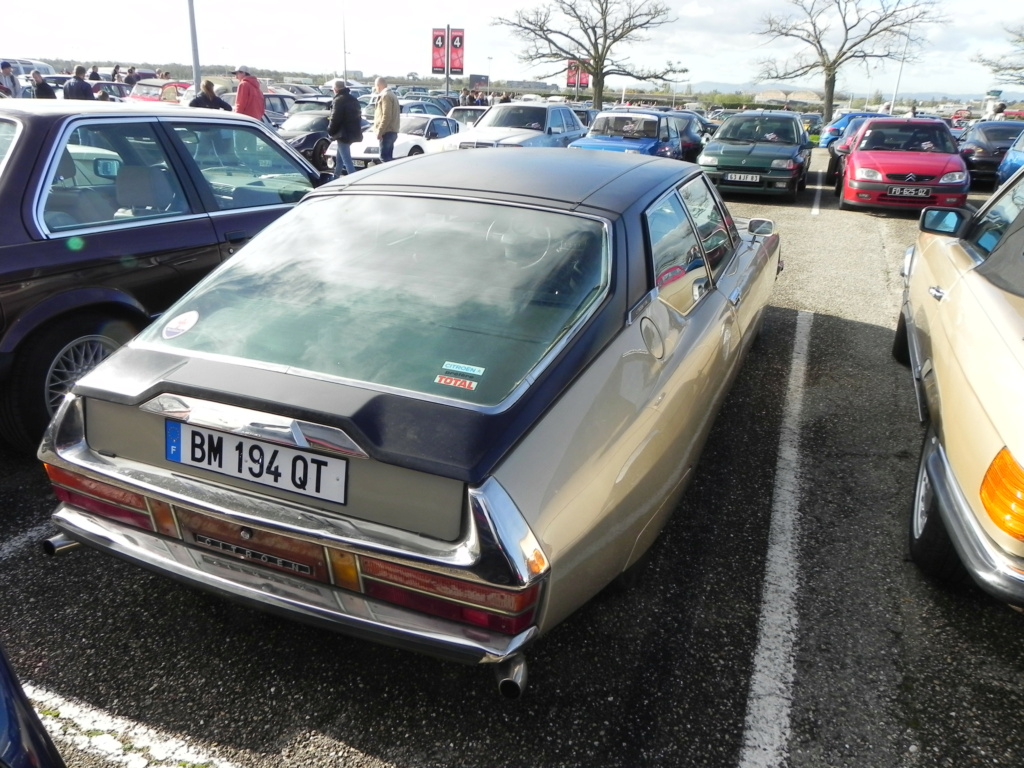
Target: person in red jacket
<point>249,99</point>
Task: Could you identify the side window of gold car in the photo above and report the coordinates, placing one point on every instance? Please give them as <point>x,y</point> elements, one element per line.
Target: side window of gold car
<point>989,230</point>
<point>678,265</point>
<point>714,227</point>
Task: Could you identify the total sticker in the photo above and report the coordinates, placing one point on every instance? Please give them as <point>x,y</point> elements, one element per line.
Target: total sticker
<point>472,370</point>
<point>180,324</point>
<point>451,381</point>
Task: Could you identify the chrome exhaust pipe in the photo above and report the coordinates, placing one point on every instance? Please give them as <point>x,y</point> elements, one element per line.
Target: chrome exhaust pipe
<point>60,544</point>
<point>511,675</point>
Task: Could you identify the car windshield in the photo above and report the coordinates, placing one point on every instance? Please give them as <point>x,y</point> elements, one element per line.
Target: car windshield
<point>147,91</point>
<point>758,128</point>
<point>440,297</point>
<point>923,136</point>
<point>465,115</point>
<point>413,124</point>
<point>625,126</point>
<point>305,123</point>
<point>514,116</point>
<point>305,106</point>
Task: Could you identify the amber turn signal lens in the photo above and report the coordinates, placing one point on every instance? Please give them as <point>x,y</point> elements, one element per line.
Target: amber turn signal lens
<point>343,566</point>
<point>1002,494</point>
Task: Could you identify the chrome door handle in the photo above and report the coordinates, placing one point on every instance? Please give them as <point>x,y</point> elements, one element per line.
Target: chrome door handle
<point>936,293</point>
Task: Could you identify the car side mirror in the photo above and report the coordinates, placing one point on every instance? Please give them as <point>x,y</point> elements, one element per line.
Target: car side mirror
<point>945,221</point>
<point>106,168</point>
<point>550,130</point>
<point>842,149</point>
<point>761,227</point>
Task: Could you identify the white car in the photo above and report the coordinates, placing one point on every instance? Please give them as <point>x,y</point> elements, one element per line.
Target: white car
<point>416,134</point>
<point>517,124</point>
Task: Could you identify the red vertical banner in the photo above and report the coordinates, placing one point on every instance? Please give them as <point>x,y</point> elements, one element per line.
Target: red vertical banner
<point>457,44</point>
<point>583,75</point>
<point>571,72</point>
<point>439,51</point>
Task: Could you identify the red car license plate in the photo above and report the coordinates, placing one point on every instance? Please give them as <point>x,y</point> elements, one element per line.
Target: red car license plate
<point>910,191</point>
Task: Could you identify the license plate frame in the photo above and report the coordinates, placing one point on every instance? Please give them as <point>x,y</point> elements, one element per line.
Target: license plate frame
<point>294,470</point>
<point>897,191</point>
<point>754,178</point>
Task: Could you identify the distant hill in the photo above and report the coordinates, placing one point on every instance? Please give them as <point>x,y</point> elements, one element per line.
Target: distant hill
<point>707,86</point>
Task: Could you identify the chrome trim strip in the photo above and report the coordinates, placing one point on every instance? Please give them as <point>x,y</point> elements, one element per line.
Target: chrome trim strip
<point>312,602</point>
<point>993,569</point>
<point>256,424</point>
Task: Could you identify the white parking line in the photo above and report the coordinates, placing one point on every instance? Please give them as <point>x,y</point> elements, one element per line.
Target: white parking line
<point>767,726</point>
<point>115,739</point>
<point>816,205</point>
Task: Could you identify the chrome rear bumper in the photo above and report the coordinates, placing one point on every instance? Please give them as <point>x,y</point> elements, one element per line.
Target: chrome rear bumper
<point>310,602</point>
<point>993,569</point>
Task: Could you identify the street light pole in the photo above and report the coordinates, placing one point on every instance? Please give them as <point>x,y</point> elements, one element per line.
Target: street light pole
<point>344,51</point>
<point>195,46</point>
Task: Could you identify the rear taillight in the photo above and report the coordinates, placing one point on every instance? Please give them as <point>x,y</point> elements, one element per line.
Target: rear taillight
<point>499,609</point>
<point>1002,494</point>
<point>100,498</point>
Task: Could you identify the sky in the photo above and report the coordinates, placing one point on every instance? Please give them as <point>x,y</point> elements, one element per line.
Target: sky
<point>714,41</point>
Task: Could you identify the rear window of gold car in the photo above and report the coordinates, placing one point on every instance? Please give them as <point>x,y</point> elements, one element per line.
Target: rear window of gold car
<point>442,297</point>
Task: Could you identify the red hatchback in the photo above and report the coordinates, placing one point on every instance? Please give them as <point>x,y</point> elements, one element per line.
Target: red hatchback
<point>902,163</point>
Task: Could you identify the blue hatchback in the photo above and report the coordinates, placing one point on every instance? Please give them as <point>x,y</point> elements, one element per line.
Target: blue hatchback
<point>1012,160</point>
<point>835,129</point>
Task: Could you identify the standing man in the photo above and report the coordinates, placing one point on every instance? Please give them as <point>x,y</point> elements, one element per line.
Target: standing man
<point>41,87</point>
<point>94,74</point>
<point>8,81</point>
<point>386,119</point>
<point>131,78</point>
<point>77,87</point>
<point>345,126</point>
<point>249,99</point>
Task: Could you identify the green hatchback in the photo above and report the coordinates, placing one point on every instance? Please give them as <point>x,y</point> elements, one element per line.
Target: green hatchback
<point>759,152</point>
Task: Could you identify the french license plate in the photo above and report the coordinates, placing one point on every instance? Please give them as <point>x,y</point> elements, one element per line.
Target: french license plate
<point>742,177</point>
<point>277,466</point>
<point>910,191</point>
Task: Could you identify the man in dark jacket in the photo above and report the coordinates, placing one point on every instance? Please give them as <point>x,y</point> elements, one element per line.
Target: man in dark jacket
<point>41,87</point>
<point>345,126</point>
<point>77,87</point>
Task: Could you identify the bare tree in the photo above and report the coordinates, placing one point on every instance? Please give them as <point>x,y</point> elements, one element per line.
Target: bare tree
<point>587,31</point>
<point>1010,68</point>
<point>838,32</point>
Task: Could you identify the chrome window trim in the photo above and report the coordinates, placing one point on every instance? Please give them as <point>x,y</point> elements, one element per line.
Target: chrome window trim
<point>503,405</point>
<point>45,180</point>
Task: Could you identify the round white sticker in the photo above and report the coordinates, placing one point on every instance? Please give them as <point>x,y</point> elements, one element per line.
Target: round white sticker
<point>180,324</point>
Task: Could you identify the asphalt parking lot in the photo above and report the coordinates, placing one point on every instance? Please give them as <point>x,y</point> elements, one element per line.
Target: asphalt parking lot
<point>864,663</point>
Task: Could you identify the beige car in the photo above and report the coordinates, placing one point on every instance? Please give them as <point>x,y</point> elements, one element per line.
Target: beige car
<point>446,431</point>
<point>961,331</point>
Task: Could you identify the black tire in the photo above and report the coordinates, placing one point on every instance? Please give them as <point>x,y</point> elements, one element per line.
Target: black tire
<point>46,366</point>
<point>843,205</point>
<point>319,155</point>
<point>415,151</point>
<point>930,546</point>
<point>833,169</point>
<point>794,192</point>
<point>900,342</point>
